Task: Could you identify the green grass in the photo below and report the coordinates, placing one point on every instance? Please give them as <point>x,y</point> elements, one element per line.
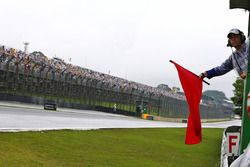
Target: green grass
<point>151,147</point>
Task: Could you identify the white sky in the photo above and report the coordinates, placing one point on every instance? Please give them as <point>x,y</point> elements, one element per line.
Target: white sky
<point>133,39</point>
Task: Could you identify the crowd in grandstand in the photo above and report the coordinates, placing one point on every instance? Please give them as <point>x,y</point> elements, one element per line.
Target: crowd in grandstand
<point>38,61</point>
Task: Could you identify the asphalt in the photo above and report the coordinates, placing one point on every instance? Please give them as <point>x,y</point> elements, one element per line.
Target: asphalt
<point>15,116</point>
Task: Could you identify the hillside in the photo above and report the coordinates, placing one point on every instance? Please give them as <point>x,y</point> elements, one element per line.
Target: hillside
<point>215,94</point>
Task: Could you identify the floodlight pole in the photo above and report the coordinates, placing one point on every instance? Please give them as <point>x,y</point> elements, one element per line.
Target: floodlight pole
<point>245,123</point>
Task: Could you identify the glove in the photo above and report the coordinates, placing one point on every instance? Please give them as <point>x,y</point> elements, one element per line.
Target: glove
<point>203,75</point>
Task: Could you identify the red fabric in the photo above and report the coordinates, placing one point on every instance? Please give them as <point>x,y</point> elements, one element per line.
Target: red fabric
<point>192,86</point>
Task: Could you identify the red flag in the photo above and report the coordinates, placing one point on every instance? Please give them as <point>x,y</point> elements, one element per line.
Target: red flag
<point>192,86</point>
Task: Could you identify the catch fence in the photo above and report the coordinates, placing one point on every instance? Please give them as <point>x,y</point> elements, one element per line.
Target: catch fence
<point>36,84</point>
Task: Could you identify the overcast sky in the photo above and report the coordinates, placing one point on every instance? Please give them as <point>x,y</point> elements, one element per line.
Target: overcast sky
<point>132,39</point>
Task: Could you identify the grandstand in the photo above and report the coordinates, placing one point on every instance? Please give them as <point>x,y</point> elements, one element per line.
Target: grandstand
<point>35,78</point>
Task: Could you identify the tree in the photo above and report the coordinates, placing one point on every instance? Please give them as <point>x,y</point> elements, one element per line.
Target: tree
<point>38,53</point>
<point>238,95</point>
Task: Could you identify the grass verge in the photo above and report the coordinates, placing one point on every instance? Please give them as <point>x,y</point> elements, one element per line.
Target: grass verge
<point>149,147</point>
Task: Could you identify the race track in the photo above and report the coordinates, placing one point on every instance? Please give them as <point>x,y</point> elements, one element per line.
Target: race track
<point>24,117</point>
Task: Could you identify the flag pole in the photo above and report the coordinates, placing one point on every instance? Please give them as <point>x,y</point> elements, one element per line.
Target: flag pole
<point>245,123</point>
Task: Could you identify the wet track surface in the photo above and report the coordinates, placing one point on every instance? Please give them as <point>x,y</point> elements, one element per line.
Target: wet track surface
<point>23,117</point>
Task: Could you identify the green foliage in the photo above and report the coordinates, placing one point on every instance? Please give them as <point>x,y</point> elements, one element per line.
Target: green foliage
<point>37,53</point>
<point>149,147</point>
<point>238,95</point>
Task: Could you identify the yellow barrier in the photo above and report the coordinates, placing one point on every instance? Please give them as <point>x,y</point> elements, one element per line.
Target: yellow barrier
<point>145,116</point>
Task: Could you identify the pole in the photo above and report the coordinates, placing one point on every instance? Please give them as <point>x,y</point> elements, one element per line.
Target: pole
<point>245,123</point>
